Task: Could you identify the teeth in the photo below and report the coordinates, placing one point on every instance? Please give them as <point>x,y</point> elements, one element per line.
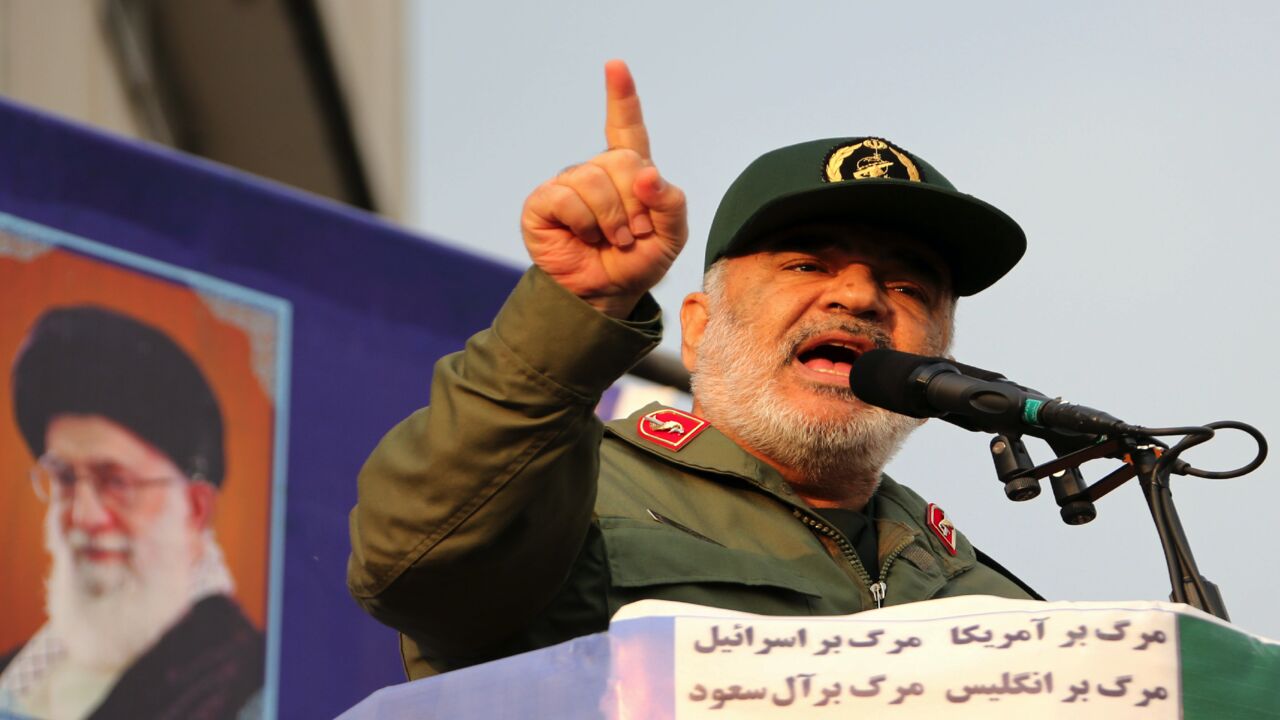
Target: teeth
<point>840,343</point>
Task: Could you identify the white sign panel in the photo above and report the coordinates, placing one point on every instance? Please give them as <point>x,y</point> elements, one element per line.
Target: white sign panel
<point>1045,660</point>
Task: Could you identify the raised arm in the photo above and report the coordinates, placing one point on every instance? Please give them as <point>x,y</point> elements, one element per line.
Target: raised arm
<point>472,511</point>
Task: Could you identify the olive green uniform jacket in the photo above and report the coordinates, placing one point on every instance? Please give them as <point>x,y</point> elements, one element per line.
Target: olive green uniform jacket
<point>505,517</point>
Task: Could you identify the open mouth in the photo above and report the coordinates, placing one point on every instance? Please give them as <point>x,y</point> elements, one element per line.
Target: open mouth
<point>832,356</point>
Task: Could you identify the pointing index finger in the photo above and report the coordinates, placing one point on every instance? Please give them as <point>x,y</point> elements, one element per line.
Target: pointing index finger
<point>623,121</point>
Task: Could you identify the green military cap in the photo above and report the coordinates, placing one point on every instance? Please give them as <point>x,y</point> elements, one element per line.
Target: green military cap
<point>867,179</point>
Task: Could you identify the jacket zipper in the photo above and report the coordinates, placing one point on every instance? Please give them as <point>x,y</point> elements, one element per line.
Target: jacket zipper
<point>884,570</point>
<point>878,589</point>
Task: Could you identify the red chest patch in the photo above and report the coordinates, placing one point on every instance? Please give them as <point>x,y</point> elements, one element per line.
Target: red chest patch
<point>941,526</point>
<point>672,429</point>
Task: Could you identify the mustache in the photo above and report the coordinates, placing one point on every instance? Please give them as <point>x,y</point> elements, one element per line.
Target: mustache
<point>801,335</point>
<point>79,540</point>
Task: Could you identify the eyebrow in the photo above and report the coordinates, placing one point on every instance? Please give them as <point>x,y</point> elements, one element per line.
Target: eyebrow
<point>106,466</point>
<point>94,464</point>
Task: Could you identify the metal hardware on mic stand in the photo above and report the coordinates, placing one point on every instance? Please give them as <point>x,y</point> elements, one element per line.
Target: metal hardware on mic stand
<point>982,401</point>
<point>1069,485</point>
<point>1152,463</point>
<point>1189,586</point>
<point>1012,464</point>
<point>1068,488</point>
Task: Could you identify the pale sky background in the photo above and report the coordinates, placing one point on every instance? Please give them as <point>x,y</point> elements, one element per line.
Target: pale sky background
<point>1135,142</point>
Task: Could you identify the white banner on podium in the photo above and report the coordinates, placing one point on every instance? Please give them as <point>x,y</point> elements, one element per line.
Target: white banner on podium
<point>971,657</point>
<point>1029,660</point>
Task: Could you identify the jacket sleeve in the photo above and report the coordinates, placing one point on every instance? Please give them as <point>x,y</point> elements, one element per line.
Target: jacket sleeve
<point>471,511</point>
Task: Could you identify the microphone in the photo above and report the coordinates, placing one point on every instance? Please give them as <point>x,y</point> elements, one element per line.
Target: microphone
<point>975,399</point>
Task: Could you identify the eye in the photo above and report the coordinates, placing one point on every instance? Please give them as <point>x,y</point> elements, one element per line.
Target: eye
<point>806,266</point>
<point>112,481</point>
<point>911,291</point>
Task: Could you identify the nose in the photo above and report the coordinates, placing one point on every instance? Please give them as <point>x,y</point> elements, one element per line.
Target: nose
<point>856,291</point>
<point>87,511</point>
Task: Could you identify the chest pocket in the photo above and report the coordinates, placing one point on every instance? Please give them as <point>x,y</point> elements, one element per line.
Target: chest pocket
<point>649,560</point>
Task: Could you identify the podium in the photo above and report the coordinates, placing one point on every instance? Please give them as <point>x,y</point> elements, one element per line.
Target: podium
<point>969,657</point>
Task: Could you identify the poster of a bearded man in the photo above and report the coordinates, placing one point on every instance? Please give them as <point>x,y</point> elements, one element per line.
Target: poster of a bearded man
<point>127,439</point>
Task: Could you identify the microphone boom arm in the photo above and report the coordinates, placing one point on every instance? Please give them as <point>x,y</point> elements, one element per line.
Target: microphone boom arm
<point>1152,462</point>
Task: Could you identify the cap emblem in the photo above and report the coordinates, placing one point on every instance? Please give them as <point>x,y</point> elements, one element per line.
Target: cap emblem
<point>941,526</point>
<point>870,158</point>
<point>669,428</point>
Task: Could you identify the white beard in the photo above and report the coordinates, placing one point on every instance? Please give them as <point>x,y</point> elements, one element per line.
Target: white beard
<point>735,388</point>
<point>106,615</point>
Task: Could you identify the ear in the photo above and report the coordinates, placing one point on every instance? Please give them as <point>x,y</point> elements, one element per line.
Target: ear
<point>201,496</point>
<point>693,322</point>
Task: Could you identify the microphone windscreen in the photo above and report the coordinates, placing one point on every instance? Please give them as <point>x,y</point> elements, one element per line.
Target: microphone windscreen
<point>881,377</point>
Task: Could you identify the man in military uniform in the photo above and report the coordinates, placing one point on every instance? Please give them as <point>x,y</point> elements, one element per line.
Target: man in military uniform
<point>504,517</point>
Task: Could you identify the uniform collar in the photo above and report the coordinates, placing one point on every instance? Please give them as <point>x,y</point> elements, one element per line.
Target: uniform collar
<point>709,451</point>
<point>712,451</point>
<point>898,504</point>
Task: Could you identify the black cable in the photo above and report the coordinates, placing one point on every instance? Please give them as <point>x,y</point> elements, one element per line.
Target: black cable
<point>1178,555</point>
<point>1166,431</point>
<point>1252,432</point>
<point>1189,586</point>
<point>1153,462</point>
<point>1190,572</point>
<point>1172,561</point>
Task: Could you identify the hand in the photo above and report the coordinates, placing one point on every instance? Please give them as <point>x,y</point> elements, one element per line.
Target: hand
<point>608,229</point>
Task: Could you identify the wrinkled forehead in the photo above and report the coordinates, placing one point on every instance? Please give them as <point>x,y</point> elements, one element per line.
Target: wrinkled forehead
<point>883,244</point>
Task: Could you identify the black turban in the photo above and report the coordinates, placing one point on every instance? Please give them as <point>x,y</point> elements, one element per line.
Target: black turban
<point>88,360</point>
